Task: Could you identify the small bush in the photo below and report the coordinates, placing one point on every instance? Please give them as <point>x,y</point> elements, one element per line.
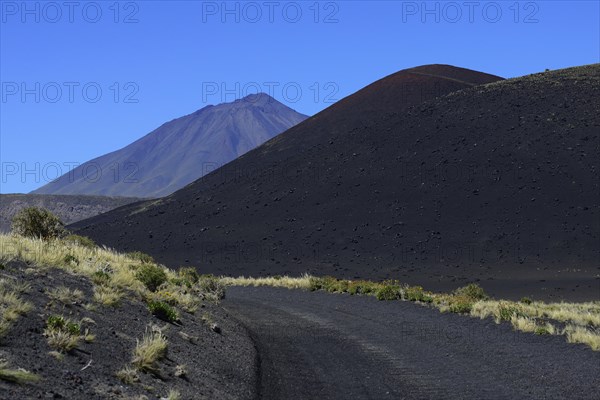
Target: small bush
<point>152,276</point>
<point>326,283</point>
<point>472,291</point>
<point>143,257</point>
<point>460,304</point>
<point>37,223</point>
<point>415,293</point>
<point>506,311</point>
<point>211,288</point>
<point>389,292</point>
<point>163,311</point>
<point>63,335</point>
<point>82,241</point>
<point>189,274</point>
<point>362,287</point>
<point>58,322</point>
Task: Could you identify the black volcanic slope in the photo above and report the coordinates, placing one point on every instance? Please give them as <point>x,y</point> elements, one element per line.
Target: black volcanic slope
<point>495,183</point>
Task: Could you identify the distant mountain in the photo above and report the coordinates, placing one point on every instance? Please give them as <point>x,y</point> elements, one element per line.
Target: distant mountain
<point>435,175</point>
<point>180,151</point>
<point>68,208</point>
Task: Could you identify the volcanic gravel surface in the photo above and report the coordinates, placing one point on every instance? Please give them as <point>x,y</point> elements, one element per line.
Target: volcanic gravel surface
<point>435,176</point>
<point>315,345</point>
<point>219,365</point>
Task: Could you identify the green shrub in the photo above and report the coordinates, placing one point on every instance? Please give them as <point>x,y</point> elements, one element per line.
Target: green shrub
<point>152,276</point>
<point>506,311</point>
<point>416,293</point>
<point>389,292</point>
<point>37,223</point>
<point>80,241</point>
<point>189,274</point>
<point>473,291</point>
<point>327,283</point>
<point>460,304</point>
<point>163,311</point>
<point>55,322</point>
<point>341,286</point>
<point>59,323</point>
<point>211,288</point>
<point>362,287</point>
<point>139,256</point>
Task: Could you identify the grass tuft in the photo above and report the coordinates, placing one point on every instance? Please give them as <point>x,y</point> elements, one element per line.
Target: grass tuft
<point>128,375</point>
<point>19,376</point>
<point>107,296</point>
<point>65,295</point>
<point>580,334</point>
<point>151,349</point>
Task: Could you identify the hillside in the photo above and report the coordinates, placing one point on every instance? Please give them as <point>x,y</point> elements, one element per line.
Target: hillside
<point>68,208</point>
<point>495,183</point>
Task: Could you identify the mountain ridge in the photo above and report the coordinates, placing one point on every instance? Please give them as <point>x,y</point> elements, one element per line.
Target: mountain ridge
<point>179,151</point>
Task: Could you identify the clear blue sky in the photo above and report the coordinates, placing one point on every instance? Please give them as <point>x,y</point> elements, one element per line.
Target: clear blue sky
<point>154,61</point>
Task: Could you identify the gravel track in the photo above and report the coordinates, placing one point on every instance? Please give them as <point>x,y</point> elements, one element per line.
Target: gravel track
<point>315,345</point>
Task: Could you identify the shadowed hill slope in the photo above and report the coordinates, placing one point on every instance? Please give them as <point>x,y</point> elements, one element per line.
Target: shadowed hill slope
<point>494,183</point>
<point>69,208</point>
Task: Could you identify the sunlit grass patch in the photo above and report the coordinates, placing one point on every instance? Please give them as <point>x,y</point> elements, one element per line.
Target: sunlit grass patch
<point>12,306</point>
<point>303,282</point>
<point>581,334</point>
<point>107,296</point>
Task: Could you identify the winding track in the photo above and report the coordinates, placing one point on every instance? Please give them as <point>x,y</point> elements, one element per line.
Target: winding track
<point>326,346</point>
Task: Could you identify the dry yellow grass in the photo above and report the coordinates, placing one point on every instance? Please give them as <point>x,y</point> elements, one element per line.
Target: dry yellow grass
<point>66,295</point>
<point>523,324</point>
<point>128,375</point>
<point>18,375</point>
<point>61,341</point>
<point>151,349</point>
<point>580,334</point>
<point>173,395</point>
<point>302,282</point>
<point>12,306</point>
<point>107,296</point>
<point>119,270</point>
